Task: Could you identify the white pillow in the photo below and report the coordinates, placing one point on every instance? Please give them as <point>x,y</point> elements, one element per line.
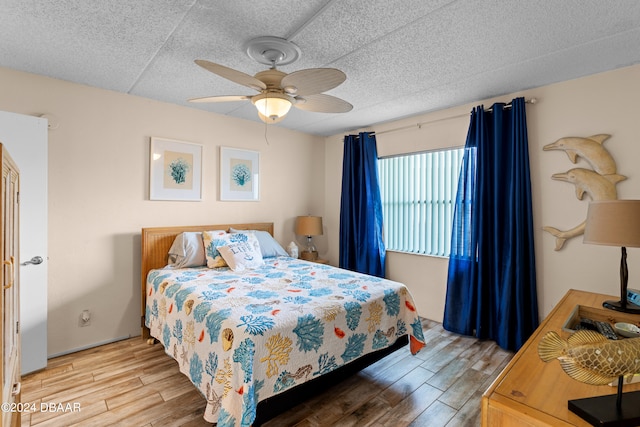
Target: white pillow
<point>187,250</point>
<point>243,254</point>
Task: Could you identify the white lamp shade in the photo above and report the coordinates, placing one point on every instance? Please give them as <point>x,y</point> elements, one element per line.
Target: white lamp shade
<point>613,223</point>
<point>270,120</point>
<point>272,105</point>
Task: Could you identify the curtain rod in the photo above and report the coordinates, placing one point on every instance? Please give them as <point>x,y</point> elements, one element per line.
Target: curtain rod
<point>420,124</point>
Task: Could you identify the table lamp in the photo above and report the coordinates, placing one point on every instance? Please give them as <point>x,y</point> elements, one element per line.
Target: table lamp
<point>309,226</point>
<point>615,223</point>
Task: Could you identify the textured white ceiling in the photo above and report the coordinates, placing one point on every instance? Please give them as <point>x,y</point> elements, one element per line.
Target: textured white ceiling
<point>401,57</point>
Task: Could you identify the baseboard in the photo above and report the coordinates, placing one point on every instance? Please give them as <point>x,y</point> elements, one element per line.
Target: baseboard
<point>86,347</point>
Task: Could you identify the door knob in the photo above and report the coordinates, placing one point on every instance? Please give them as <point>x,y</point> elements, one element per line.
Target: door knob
<point>35,260</point>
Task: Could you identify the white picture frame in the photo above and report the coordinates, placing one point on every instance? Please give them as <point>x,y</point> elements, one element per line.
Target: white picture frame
<point>239,174</point>
<point>175,170</point>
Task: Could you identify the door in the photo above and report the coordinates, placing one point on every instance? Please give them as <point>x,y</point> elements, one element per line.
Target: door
<point>26,138</point>
<point>10,288</point>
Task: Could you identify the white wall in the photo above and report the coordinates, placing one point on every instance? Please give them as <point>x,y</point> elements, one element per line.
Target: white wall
<point>603,103</point>
<point>98,193</point>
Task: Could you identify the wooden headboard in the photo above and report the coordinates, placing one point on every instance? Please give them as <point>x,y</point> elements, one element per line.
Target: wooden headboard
<point>156,242</point>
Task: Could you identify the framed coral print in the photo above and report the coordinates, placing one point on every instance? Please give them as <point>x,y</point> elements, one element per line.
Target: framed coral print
<point>175,170</point>
<point>239,174</point>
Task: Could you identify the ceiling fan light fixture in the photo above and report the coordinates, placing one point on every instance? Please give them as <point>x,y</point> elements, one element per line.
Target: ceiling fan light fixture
<point>272,106</point>
<point>278,91</point>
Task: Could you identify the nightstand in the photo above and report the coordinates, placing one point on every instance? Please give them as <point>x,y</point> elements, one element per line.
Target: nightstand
<point>321,261</point>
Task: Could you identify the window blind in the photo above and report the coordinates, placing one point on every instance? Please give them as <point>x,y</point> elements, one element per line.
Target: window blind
<point>418,194</point>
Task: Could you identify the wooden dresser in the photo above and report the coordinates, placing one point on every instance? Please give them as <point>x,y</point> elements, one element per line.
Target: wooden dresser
<point>530,392</point>
<point>10,296</point>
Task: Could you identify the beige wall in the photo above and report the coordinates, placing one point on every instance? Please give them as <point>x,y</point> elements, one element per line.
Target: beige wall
<point>98,184</point>
<point>604,103</point>
<point>98,193</point>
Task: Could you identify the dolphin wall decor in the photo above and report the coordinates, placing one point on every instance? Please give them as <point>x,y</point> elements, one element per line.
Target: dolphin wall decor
<point>598,187</point>
<point>599,183</point>
<point>590,149</point>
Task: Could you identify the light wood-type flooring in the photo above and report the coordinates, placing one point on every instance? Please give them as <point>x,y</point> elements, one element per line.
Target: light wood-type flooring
<point>131,383</point>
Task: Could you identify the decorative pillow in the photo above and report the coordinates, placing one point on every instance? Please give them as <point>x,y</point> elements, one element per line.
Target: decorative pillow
<point>242,255</point>
<point>187,250</point>
<point>269,247</point>
<point>212,241</point>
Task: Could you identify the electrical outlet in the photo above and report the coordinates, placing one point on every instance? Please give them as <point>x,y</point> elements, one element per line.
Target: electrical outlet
<point>84,318</point>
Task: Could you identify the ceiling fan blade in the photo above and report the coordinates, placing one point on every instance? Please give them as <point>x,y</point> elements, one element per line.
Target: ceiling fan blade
<point>222,98</point>
<point>312,81</point>
<point>231,74</point>
<point>322,104</point>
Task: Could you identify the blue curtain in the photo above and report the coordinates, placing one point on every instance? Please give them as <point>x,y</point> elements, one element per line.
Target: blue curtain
<point>361,245</point>
<point>491,284</point>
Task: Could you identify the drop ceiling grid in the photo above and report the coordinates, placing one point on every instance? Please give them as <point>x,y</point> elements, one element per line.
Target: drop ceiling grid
<point>346,27</point>
<point>101,44</point>
<point>401,57</point>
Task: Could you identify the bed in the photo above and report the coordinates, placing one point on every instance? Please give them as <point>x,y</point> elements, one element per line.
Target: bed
<point>255,341</point>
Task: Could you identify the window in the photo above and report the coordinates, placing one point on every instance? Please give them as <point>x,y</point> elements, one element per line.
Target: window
<point>418,194</point>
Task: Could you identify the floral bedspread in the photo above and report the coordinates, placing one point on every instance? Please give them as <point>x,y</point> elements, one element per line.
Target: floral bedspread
<point>244,336</point>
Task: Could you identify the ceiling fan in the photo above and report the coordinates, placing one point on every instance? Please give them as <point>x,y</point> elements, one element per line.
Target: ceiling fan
<point>278,91</point>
